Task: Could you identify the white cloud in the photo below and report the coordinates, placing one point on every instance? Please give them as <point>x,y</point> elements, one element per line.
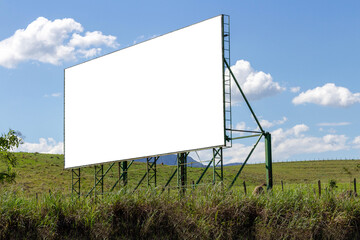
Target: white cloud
<point>356,142</point>
<point>44,146</point>
<point>255,84</point>
<point>328,95</point>
<point>238,153</point>
<point>95,38</point>
<point>334,124</point>
<point>50,42</point>
<point>241,126</point>
<point>87,53</point>
<point>308,144</point>
<point>267,124</point>
<point>138,39</point>
<point>288,143</point>
<point>295,89</point>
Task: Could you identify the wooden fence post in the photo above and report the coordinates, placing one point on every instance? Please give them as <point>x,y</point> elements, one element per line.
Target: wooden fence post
<point>319,185</point>
<point>244,187</point>
<point>355,186</point>
<point>282,185</point>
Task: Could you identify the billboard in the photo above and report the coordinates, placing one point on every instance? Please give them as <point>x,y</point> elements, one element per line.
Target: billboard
<point>158,97</point>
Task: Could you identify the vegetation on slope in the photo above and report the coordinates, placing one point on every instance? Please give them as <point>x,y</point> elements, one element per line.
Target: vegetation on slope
<point>39,205</point>
<point>206,213</point>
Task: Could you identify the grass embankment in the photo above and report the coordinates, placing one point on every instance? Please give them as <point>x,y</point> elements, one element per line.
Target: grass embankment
<point>206,213</point>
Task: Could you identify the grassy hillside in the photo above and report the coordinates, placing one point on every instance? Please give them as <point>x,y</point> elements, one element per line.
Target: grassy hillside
<point>39,173</point>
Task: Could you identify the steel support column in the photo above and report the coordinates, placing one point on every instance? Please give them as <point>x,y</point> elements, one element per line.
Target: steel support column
<point>123,169</point>
<point>268,161</point>
<point>182,171</point>
<point>218,164</point>
<point>75,182</point>
<point>122,173</point>
<point>151,170</point>
<point>99,180</point>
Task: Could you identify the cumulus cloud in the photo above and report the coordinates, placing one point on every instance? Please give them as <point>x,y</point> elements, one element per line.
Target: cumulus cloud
<point>328,95</point>
<point>95,38</point>
<point>295,89</point>
<point>241,126</point>
<point>308,144</point>
<point>43,146</point>
<point>288,143</point>
<point>356,142</point>
<point>255,84</point>
<point>52,42</point>
<point>239,152</point>
<point>267,124</point>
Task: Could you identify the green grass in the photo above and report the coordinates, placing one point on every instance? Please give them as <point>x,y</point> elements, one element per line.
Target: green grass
<point>39,206</point>
<point>206,213</point>
<point>40,173</point>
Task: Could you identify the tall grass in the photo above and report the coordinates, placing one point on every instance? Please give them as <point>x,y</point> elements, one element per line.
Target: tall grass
<point>204,213</point>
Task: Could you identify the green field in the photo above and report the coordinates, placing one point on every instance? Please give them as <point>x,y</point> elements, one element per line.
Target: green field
<point>39,173</point>
<point>39,206</point>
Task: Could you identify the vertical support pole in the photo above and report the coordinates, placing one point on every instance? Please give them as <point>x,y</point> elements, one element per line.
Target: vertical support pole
<point>120,175</point>
<point>75,182</point>
<point>125,172</point>
<point>268,161</point>
<point>151,170</point>
<point>99,179</point>
<point>355,187</point>
<point>95,180</point>
<point>218,166</point>
<point>214,165</point>
<point>148,168</point>
<point>244,187</point>
<point>182,172</point>
<point>154,169</point>
<point>123,168</point>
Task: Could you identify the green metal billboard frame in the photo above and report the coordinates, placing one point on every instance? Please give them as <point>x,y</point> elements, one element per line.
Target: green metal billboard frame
<point>181,168</point>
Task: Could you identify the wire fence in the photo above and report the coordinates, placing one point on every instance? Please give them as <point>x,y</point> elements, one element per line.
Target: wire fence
<point>307,160</point>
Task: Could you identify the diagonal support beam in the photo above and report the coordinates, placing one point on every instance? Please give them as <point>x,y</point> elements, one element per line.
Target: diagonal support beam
<point>203,173</point>
<point>122,175</point>
<point>168,182</point>
<point>244,163</point>
<point>151,166</point>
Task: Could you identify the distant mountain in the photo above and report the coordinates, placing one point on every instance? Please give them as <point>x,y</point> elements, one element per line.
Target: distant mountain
<point>233,164</point>
<point>171,160</point>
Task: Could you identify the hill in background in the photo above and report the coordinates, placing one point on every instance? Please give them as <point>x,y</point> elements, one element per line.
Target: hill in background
<point>171,160</point>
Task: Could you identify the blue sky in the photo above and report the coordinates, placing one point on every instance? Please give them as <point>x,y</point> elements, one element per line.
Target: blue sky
<point>298,63</point>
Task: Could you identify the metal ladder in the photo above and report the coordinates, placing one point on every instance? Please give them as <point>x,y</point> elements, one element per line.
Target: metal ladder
<point>227,81</point>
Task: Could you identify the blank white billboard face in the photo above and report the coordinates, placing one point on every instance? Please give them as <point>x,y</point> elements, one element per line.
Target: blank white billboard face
<point>158,97</point>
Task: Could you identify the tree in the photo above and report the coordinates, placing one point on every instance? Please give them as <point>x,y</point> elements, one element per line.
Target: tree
<point>9,142</point>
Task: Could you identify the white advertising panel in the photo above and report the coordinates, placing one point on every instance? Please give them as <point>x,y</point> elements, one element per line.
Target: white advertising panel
<point>161,96</point>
